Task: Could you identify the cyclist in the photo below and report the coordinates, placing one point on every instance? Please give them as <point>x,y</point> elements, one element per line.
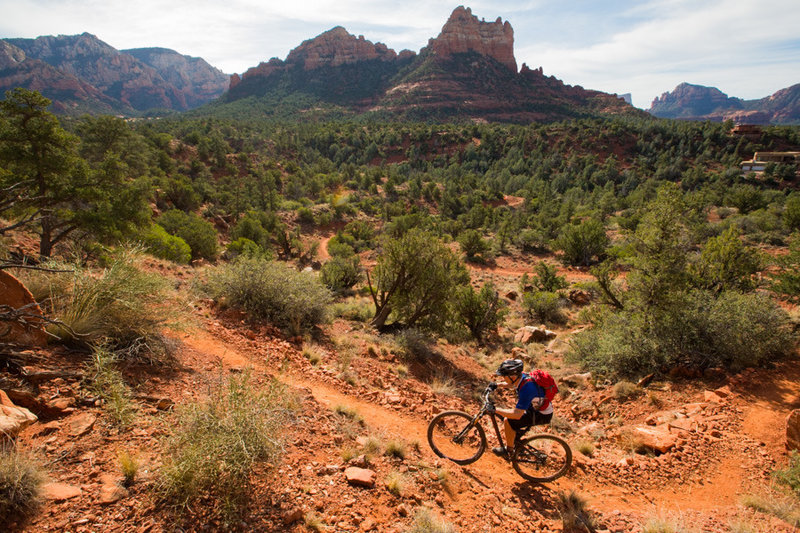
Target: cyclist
<point>532,407</point>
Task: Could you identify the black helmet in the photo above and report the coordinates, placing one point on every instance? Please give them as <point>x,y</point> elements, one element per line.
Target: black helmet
<point>509,367</point>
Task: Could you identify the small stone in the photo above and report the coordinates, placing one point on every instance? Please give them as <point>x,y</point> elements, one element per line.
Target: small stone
<point>112,493</point>
<point>80,424</point>
<point>60,491</point>
<point>361,477</point>
<point>293,515</point>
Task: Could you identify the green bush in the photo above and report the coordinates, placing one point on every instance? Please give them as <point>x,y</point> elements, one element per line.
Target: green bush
<point>20,480</point>
<point>170,247</point>
<point>698,330</point>
<point>582,242</point>
<point>545,306</point>
<point>791,214</point>
<point>196,232</point>
<point>478,311</point>
<point>472,244</point>
<point>214,445</point>
<point>246,247</point>
<point>267,290</point>
<point>547,278</point>
<point>341,273</point>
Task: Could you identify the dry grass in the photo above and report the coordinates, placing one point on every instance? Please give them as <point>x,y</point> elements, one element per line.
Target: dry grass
<point>425,521</point>
<point>20,480</point>
<point>396,483</point>
<point>784,507</point>
<point>574,514</point>
<point>396,448</point>
<point>129,465</point>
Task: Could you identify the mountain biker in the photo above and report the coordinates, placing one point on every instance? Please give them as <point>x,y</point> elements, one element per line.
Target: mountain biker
<point>530,399</point>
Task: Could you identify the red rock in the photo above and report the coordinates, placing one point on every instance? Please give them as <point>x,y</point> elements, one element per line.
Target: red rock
<point>14,294</point>
<point>712,397</point>
<point>293,515</point>
<point>80,424</point>
<point>793,430</point>
<point>13,419</point>
<point>658,439</point>
<point>60,491</point>
<point>361,477</point>
<point>463,32</point>
<point>111,493</point>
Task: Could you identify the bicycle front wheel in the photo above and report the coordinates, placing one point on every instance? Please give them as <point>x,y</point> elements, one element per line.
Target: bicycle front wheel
<point>454,436</point>
<point>541,458</point>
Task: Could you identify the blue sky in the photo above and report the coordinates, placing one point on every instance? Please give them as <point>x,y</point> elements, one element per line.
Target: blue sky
<point>746,48</point>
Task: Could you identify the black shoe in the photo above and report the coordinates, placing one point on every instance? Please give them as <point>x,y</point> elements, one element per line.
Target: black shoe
<point>502,451</point>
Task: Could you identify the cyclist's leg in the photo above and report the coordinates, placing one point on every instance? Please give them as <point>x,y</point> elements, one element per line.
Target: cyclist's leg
<point>518,427</point>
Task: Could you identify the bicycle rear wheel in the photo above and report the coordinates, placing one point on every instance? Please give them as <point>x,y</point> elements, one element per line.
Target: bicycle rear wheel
<point>454,436</point>
<point>543,457</point>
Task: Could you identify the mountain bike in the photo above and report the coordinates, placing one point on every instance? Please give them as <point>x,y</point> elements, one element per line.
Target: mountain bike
<point>459,437</point>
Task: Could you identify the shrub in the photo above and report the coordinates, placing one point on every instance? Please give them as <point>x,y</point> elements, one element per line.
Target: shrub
<point>480,311</point>
<point>341,273</point>
<point>472,243</point>
<point>196,232</point>
<point>256,226</point>
<point>359,310</point>
<point>271,291</point>
<point>784,508</point>
<point>122,307</point>
<point>698,330</point>
<point>246,247</point>
<point>161,244</point>
<point>396,483</point>
<point>791,214</point>
<point>129,466</point>
<point>214,444</point>
<point>544,306</point>
<point>20,482</point>
<point>414,345</point>
<point>582,242</point>
<point>396,448</point>
<point>547,278</point>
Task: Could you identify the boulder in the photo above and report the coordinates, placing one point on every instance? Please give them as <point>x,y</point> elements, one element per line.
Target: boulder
<point>13,419</point>
<point>362,477</point>
<point>658,439</point>
<point>793,430</point>
<point>528,334</point>
<point>15,295</point>
<point>580,297</point>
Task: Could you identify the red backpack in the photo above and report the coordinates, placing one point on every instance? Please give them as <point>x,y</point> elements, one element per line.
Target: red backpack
<point>545,381</point>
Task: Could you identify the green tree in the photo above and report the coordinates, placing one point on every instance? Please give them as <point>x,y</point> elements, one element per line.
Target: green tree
<point>583,242</point>
<point>52,189</point>
<point>726,263</point>
<point>791,215</point>
<point>414,278</point>
<point>341,273</point>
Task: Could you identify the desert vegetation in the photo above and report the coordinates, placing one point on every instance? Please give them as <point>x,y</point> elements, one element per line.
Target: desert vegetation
<point>395,262</point>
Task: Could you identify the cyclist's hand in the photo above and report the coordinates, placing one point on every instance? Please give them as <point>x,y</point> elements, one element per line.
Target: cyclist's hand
<point>490,409</point>
<point>492,386</point>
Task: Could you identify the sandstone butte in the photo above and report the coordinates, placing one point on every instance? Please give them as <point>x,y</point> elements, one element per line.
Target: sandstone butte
<point>462,32</point>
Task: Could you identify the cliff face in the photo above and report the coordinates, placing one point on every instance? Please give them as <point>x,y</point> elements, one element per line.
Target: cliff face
<point>68,93</point>
<point>463,32</point>
<point>696,102</point>
<point>125,82</point>
<point>196,80</point>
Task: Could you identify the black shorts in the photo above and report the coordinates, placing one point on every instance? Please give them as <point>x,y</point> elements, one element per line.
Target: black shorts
<point>532,417</point>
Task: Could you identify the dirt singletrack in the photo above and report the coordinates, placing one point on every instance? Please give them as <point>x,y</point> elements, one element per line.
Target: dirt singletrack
<point>712,501</point>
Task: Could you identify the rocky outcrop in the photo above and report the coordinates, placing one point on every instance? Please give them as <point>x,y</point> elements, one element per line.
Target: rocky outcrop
<point>13,419</point>
<point>463,33</point>
<point>696,102</point>
<point>337,47</point>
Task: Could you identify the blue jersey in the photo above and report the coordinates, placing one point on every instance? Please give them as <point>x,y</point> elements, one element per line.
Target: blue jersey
<point>527,392</point>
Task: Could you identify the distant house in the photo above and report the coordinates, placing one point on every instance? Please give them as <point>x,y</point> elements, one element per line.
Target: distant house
<point>747,130</point>
<point>761,159</point>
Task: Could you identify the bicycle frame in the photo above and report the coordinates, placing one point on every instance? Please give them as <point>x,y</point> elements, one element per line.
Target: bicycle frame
<point>476,420</point>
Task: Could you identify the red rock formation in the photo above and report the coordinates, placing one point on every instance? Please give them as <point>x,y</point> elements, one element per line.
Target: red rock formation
<point>463,32</point>
<point>337,47</point>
